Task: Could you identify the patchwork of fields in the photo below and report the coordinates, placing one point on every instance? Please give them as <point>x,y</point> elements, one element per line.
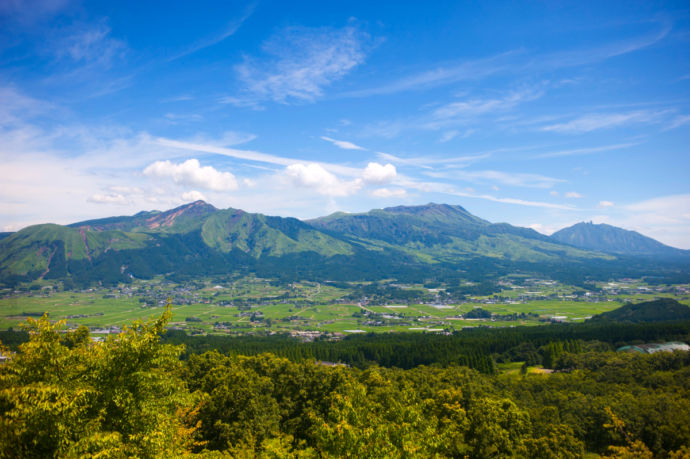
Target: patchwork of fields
<point>256,305</point>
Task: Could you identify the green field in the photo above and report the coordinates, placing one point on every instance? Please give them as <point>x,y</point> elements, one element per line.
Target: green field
<point>259,305</point>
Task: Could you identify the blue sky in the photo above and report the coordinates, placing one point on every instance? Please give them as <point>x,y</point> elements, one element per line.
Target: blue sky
<point>540,114</point>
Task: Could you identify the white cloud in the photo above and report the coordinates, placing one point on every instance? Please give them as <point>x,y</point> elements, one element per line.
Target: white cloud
<point>553,193</point>
<point>345,145</point>
<point>314,176</point>
<point>449,135</point>
<point>254,156</point>
<point>389,193</point>
<point>593,122</point>
<point>378,173</point>
<point>193,195</point>
<point>605,204</point>
<point>113,198</point>
<point>573,195</point>
<point>301,63</point>
<point>192,173</point>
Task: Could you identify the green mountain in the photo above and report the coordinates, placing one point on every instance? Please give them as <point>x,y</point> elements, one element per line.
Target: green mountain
<point>649,311</point>
<point>441,232</point>
<point>179,220</point>
<point>610,239</point>
<point>194,238</point>
<point>434,241</point>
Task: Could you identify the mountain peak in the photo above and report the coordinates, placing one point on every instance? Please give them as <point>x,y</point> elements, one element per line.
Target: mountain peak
<point>611,239</point>
<point>193,210</point>
<point>428,209</point>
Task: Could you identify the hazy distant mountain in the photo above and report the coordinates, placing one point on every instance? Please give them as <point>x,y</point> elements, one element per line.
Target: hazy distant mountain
<point>196,239</point>
<point>648,311</point>
<point>610,239</point>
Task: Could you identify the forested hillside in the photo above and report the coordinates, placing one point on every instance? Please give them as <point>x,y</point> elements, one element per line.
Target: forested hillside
<point>62,395</point>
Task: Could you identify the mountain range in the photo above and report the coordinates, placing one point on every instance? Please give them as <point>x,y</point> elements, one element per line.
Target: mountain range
<point>438,241</point>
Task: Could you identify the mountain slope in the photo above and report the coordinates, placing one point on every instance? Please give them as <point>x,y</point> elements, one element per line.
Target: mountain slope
<point>443,232</point>
<point>178,220</point>
<point>406,242</point>
<point>259,235</point>
<point>611,239</point>
<point>195,237</point>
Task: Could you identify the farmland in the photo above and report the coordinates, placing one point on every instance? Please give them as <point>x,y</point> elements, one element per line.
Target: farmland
<point>254,305</point>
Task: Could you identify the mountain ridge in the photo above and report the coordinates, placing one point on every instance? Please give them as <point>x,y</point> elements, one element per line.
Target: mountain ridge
<point>197,239</point>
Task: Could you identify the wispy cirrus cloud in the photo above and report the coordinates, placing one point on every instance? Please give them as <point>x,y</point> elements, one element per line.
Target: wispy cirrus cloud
<point>344,144</point>
<point>462,111</point>
<point>678,121</point>
<point>299,63</point>
<point>578,57</point>
<point>513,61</point>
<point>517,179</point>
<point>586,150</point>
<point>452,134</point>
<point>480,106</point>
<point>459,115</point>
<point>596,121</point>
<point>427,162</point>
<point>230,30</point>
<point>448,189</point>
<point>442,75</point>
<point>90,46</point>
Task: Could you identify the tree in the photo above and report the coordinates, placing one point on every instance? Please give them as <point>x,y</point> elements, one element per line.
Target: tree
<point>63,395</point>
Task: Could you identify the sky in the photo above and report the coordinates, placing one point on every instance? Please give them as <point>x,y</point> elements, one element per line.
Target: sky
<point>539,114</point>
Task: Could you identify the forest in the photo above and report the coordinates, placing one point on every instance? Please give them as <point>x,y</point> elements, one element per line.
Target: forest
<point>135,395</point>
